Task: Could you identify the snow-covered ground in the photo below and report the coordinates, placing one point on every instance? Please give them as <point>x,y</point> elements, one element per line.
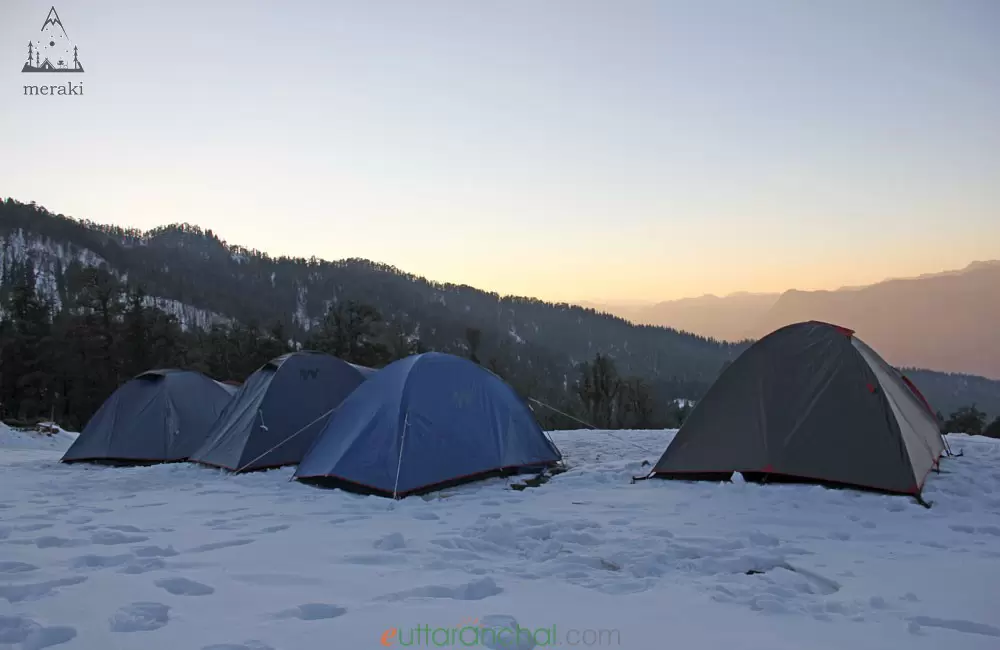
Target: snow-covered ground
<point>58,440</point>
<point>181,557</point>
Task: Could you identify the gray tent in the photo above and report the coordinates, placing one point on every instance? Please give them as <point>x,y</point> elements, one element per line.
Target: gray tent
<point>274,417</point>
<point>160,416</point>
<point>809,402</point>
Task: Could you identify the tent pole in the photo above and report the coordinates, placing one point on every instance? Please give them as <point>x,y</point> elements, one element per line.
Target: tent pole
<point>399,463</point>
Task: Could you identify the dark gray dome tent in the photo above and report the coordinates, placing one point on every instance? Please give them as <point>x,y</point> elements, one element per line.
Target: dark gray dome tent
<point>277,412</point>
<point>809,402</point>
<point>160,416</point>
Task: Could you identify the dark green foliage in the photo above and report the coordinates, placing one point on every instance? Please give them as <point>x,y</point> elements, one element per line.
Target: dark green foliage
<point>104,329</point>
<point>993,430</point>
<point>356,333</point>
<point>967,419</point>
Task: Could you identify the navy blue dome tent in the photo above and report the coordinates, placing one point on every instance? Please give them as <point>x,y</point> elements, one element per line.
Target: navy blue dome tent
<point>160,416</point>
<point>274,417</point>
<point>425,422</point>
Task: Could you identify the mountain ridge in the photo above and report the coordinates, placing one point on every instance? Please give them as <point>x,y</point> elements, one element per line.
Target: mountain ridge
<point>201,279</point>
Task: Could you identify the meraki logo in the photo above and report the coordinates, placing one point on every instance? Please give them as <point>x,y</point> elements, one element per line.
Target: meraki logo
<point>52,51</point>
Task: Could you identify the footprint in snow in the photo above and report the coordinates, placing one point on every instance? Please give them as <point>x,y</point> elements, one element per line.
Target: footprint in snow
<point>28,634</point>
<point>184,587</point>
<point>100,561</point>
<point>475,590</point>
<point>51,541</point>
<point>275,529</point>
<point>312,612</point>
<point>140,617</point>
<point>17,567</point>
<point>426,516</point>
<point>373,559</point>
<point>124,528</point>
<point>214,546</point>
<point>390,542</point>
<point>154,551</point>
<point>114,538</point>
<point>36,590</point>
<point>968,627</point>
<point>247,645</point>
<point>143,565</point>
<point>277,579</point>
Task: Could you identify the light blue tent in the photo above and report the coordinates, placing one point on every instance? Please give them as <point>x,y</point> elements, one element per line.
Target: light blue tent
<point>274,417</point>
<point>424,422</point>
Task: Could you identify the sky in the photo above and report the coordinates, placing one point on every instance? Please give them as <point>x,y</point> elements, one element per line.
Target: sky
<point>566,149</point>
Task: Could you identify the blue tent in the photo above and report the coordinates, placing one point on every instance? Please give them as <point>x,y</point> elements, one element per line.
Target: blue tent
<point>424,422</point>
<point>160,416</point>
<point>274,417</point>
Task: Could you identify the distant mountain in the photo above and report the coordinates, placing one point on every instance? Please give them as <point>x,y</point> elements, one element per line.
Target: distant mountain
<point>946,321</point>
<point>725,318</point>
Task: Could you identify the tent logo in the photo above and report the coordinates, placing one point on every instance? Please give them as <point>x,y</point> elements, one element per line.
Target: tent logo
<point>309,373</point>
<point>52,51</point>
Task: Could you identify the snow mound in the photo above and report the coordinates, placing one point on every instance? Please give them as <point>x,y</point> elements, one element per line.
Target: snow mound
<point>46,436</point>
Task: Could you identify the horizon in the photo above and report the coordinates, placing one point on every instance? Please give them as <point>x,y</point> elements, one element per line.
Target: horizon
<point>571,152</point>
<point>583,302</point>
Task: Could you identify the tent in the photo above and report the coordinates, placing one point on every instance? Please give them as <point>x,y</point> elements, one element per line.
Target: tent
<point>276,413</point>
<point>809,402</point>
<point>425,422</point>
<point>160,416</point>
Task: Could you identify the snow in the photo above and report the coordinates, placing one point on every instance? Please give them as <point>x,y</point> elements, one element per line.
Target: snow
<point>182,556</point>
<point>189,317</point>
<point>55,439</point>
<point>301,315</point>
<point>49,258</point>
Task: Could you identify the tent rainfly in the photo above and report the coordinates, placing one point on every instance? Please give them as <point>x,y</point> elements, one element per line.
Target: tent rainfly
<point>810,402</point>
<point>275,415</point>
<point>160,416</point>
<point>425,422</point>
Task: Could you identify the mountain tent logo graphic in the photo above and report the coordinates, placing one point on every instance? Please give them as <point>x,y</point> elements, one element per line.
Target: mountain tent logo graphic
<point>53,51</point>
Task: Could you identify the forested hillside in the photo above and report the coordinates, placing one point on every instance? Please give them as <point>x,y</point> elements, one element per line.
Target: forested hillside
<point>191,286</point>
<point>86,306</point>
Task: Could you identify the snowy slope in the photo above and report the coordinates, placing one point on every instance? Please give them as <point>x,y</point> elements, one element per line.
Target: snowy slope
<point>180,557</point>
<point>59,440</point>
<point>51,259</point>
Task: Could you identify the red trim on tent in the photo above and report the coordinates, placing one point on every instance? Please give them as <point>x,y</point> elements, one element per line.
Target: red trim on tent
<point>851,484</point>
<point>768,469</point>
<point>920,396</point>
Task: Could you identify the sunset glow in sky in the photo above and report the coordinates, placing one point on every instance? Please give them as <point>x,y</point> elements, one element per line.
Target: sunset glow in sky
<point>567,149</point>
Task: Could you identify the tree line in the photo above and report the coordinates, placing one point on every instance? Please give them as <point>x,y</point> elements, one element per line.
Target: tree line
<point>59,362</point>
<point>970,420</point>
